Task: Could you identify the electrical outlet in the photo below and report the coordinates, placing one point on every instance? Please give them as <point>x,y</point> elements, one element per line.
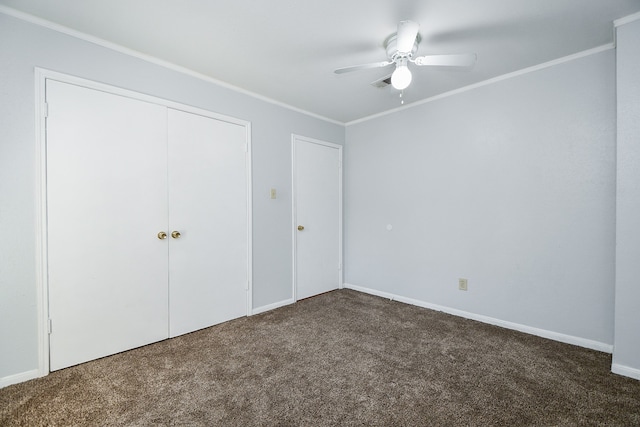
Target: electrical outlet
<point>462,284</point>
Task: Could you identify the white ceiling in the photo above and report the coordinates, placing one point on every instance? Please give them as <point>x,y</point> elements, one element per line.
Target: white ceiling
<point>287,50</point>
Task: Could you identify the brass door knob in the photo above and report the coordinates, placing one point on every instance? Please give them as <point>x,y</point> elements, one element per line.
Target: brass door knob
<point>162,235</point>
<point>300,227</point>
<point>175,234</point>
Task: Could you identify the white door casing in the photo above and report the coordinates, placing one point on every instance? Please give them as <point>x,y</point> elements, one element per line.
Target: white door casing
<point>317,216</point>
<point>95,279</point>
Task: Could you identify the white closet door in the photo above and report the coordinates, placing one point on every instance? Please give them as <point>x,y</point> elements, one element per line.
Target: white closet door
<point>317,181</point>
<point>208,262</point>
<point>106,202</point>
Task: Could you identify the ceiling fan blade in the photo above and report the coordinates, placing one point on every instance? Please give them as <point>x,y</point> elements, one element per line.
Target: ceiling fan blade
<point>407,33</point>
<point>462,60</point>
<point>362,67</point>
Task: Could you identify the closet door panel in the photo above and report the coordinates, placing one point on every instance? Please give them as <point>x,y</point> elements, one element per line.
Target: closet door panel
<point>208,263</point>
<point>106,202</point>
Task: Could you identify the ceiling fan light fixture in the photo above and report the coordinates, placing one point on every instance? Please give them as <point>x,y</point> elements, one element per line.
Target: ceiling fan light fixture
<point>401,48</point>
<point>401,77</point>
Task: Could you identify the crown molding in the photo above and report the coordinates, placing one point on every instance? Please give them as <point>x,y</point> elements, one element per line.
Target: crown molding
<point>491,81</point>
<point>626,19</point>
<point>152,59</point>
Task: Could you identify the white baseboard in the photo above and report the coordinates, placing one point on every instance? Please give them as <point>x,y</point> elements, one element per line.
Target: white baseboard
<point>273,306</point>
<point>19,378</point>
<point>625,370</point>
<point>567,339</point>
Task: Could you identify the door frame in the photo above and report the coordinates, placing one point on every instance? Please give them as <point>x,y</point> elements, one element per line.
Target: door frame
<point>299,138</point>
<point>41,110</point>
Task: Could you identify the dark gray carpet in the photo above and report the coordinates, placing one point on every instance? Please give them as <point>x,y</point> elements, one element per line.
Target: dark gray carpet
<point>342,358</point>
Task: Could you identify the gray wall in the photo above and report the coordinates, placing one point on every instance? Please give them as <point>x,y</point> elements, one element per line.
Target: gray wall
<point>510,185</point>
<point>626,355</point>
<point>24,46</point>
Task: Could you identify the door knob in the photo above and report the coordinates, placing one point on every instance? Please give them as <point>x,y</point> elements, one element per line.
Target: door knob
<point>300,227</point>
<point>162,235</point>
<point>175,234</point>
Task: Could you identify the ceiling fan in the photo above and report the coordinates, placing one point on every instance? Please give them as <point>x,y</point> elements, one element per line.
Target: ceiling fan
<point>401,46</point>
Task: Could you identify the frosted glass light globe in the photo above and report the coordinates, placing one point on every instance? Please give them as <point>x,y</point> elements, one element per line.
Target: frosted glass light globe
<point>401,77</point>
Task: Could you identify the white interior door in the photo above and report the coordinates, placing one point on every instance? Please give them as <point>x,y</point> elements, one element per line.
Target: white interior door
<point>106,202</point>
<point>317,216</point>
<point>208,262</point>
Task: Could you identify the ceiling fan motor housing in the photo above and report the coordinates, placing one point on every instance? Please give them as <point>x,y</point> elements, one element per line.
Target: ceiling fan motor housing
<point>392,51</point>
